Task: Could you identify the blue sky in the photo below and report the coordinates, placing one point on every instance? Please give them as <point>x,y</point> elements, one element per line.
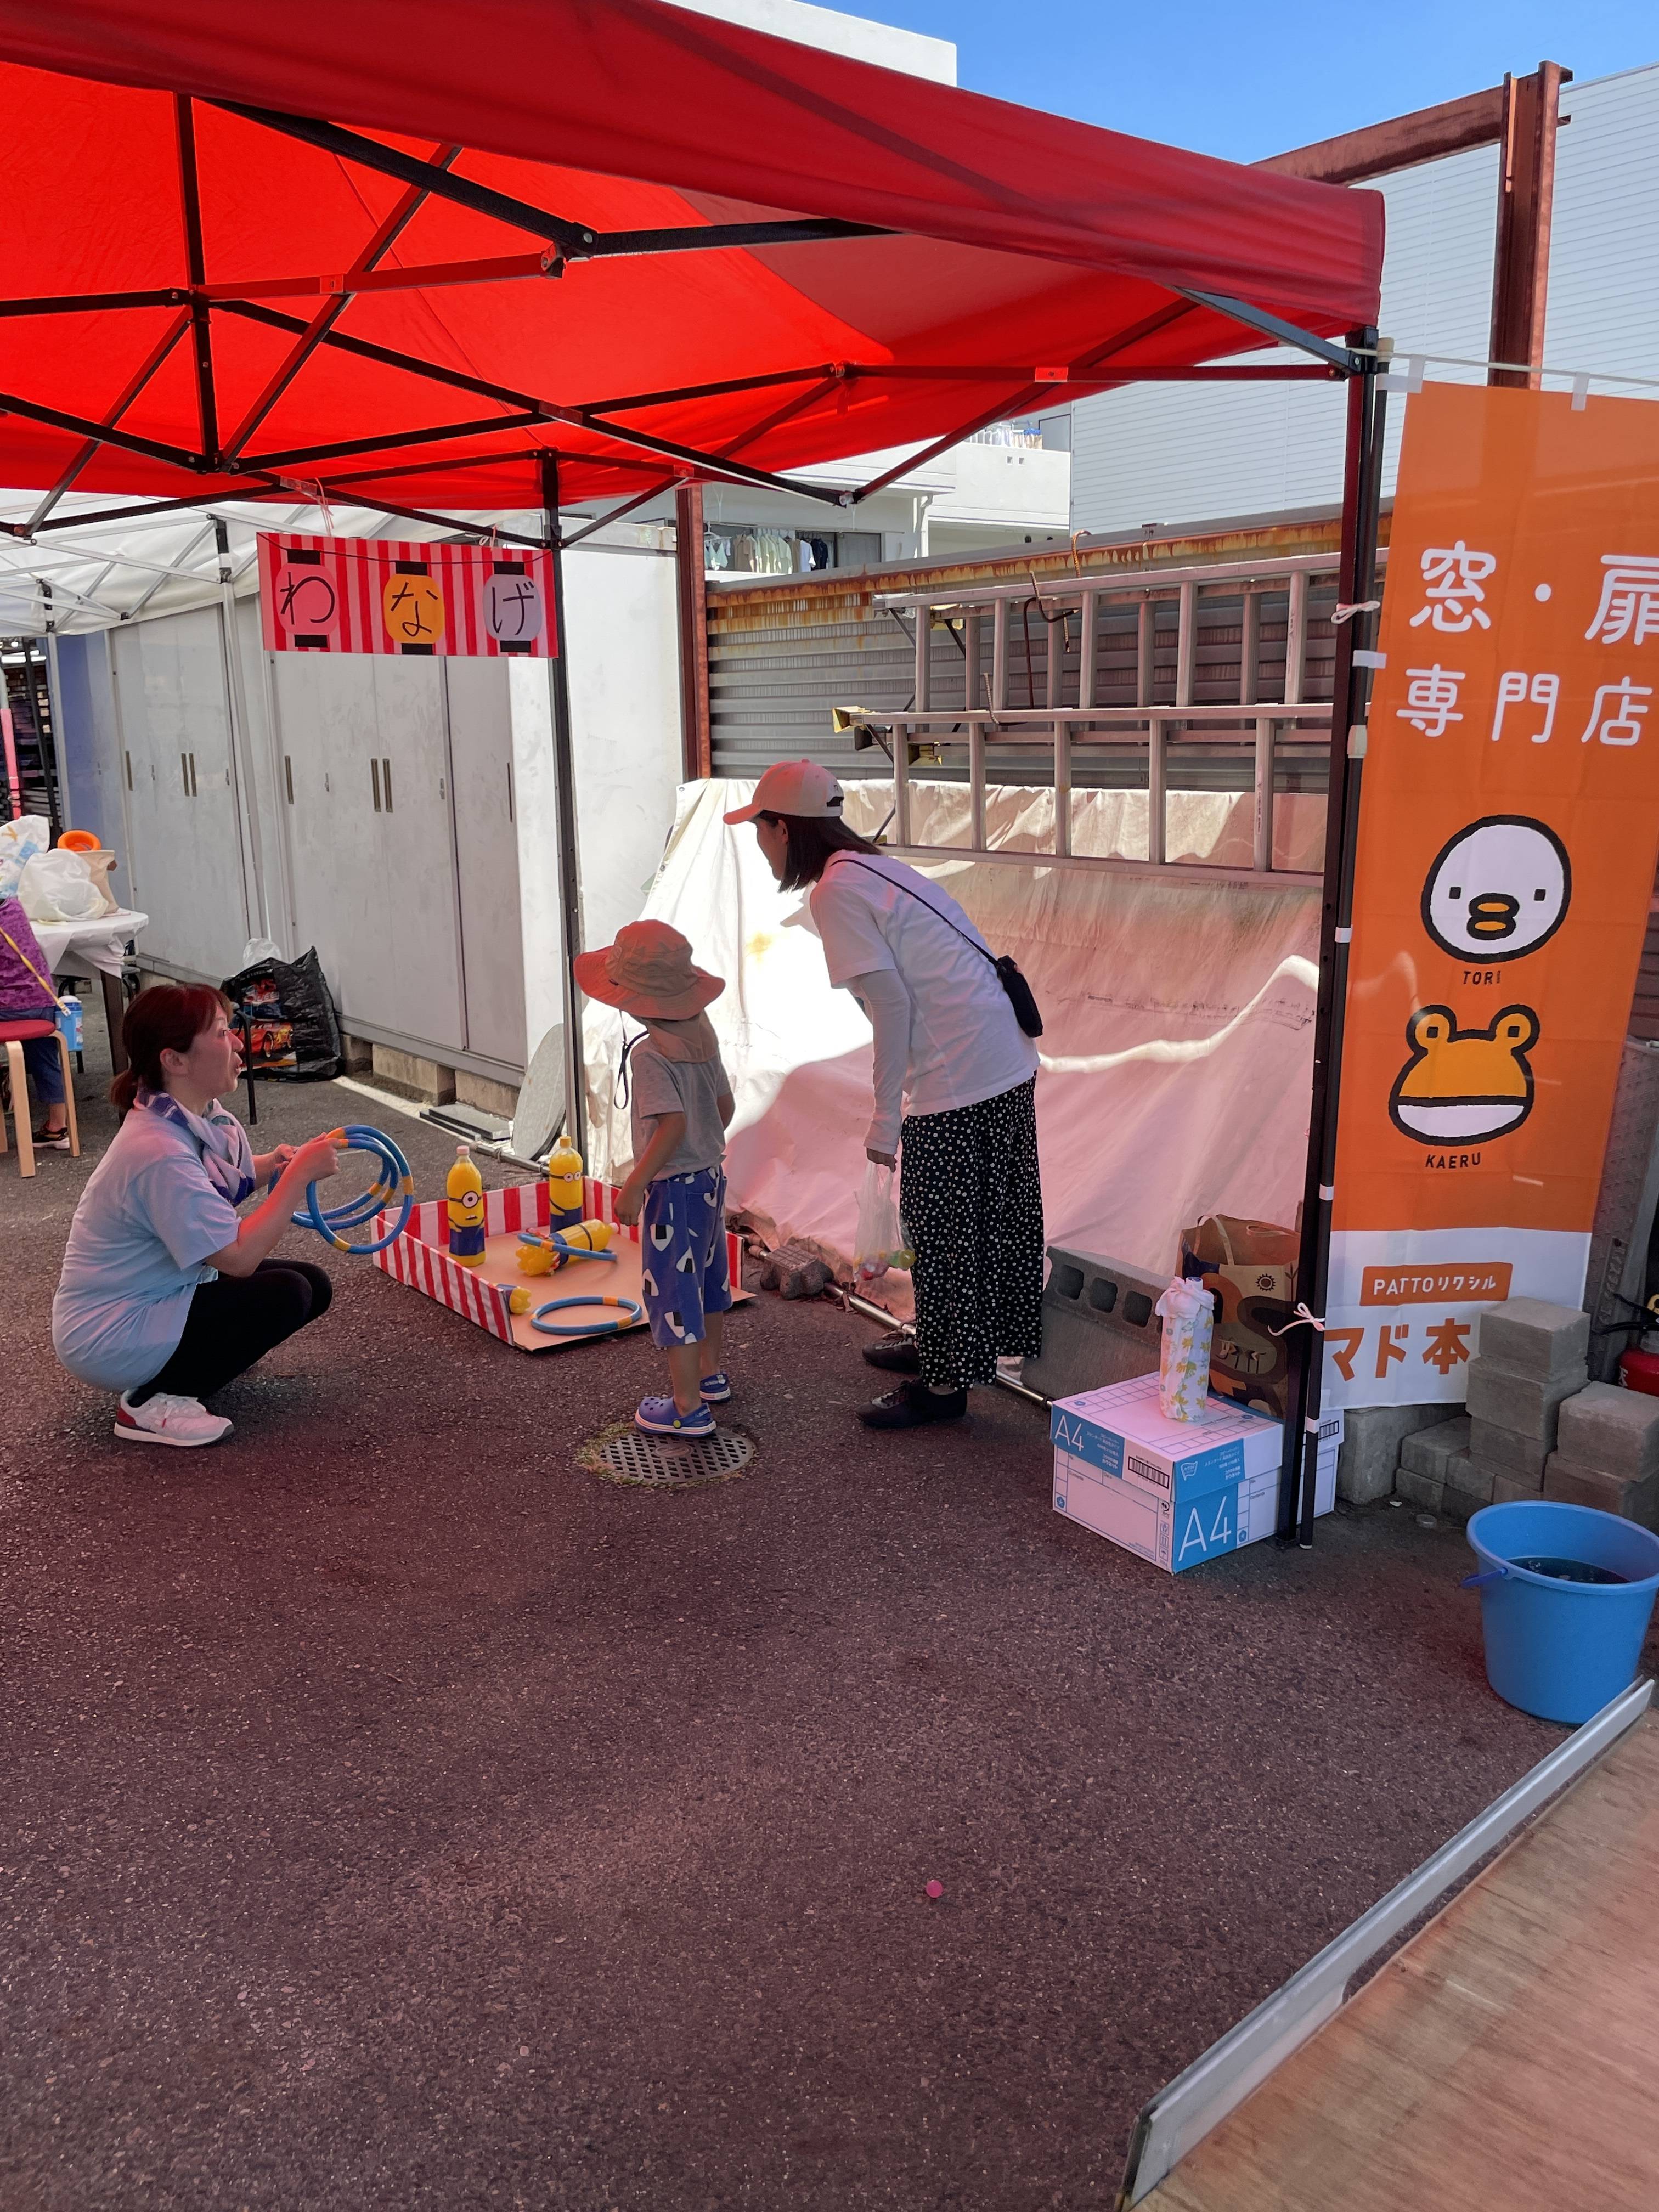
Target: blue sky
<point>1247,81</point>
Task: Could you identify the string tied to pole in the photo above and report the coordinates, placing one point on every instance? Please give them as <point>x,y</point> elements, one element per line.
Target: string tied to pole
<point>1301,1318</point>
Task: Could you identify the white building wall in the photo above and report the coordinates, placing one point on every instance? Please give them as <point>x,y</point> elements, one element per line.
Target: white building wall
<point>835,33</point>
<point>1174,456</point>
<point>1604,244</point>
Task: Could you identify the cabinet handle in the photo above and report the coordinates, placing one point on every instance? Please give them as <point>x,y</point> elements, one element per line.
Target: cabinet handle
<point>127,757</point>
<point>184,772</point>
<point>374,778</point>
<point>385,782</point>
<point>288,776</point>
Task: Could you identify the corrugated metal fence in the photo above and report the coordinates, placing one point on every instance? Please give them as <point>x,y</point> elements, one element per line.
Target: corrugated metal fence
<point>782,651</point>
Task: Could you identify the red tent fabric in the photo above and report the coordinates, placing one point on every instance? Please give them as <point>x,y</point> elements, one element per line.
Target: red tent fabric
<point>1028,250</point>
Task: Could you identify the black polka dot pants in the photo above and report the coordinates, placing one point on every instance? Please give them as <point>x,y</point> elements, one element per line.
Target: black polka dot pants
<point>972,1200</point>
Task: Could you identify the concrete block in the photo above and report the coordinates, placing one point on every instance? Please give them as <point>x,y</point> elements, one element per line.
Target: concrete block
<point>1530,1336</point>
<point>1515,1490</point>
<point>795,1271</point>
<point>1518,1455</point>
<point>488,1097</point>
<point>1613,1430</point>
<point>1474,1478</point>
<point>411,1077</point>
<point>1427,1451</point>
<point>1520,1403</point>
<point>356,1055</point>
<point>1570,1484</point>
<point>1372,1448</point>
<point>1419,1489</point>
<point>1098,1324</point>
<point>1462,1504</point>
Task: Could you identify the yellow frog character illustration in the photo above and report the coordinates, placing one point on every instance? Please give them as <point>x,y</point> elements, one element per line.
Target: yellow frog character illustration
<point>1463,1085</point>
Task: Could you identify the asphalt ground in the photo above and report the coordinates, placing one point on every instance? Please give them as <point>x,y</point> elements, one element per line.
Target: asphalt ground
<point>397,1815</point>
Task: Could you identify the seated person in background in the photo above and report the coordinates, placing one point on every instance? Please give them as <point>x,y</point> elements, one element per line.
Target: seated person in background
<point>167,1293</point>
<point>27,996</point>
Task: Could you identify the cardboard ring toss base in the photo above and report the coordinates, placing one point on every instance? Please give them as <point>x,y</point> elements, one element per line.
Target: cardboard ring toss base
<point>420,1260</point>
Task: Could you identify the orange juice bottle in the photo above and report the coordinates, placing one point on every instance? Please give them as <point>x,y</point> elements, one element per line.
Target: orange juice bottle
<point>564,1185</point>
<point>464,1192</point>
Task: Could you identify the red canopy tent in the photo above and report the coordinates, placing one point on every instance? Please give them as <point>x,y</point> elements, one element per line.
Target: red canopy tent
<point>650,242</point>
<point>504,253</point>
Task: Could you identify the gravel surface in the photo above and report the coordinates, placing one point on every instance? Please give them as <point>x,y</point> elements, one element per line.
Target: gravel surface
<point>398,1817</point>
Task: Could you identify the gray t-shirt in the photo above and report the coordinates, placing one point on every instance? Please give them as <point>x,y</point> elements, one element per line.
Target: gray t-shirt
<point>692,1087</point>
<point>146,1221</point>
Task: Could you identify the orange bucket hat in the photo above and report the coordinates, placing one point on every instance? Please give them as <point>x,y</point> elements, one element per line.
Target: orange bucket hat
<point>648,973</point>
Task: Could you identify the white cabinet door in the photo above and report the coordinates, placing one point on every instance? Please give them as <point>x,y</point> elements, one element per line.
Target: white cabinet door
<point>363,757</point>
<point>487,858</point>
<point>186,857</point>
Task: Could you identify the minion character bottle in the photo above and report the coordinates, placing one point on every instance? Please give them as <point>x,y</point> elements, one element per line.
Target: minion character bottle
<point>464,1192</point>
<point>564,1185</point>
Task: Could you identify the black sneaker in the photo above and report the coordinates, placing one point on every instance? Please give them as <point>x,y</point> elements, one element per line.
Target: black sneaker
<point>913,1406</point>
<point>896,1353</point>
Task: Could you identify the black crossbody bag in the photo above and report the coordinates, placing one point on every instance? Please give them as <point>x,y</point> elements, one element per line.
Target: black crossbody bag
<point>1021,997</point>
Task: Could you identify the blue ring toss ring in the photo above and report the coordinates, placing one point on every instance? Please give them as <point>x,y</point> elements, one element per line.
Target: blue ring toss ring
<point>393,1183</point>
<point>586,1329</point>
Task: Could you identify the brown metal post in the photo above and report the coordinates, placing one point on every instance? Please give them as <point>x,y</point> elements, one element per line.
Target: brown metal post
<point>696,746</point>
<point>1526,196</point>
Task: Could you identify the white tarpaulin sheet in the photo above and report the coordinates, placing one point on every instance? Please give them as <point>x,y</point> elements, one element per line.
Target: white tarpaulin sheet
<point>1177,1054</point>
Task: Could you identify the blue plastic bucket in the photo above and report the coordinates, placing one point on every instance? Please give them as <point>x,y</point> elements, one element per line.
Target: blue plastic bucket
<point>1562,1649</point>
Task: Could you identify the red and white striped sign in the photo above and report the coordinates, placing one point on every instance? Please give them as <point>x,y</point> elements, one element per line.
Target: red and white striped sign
<point>390,595</point>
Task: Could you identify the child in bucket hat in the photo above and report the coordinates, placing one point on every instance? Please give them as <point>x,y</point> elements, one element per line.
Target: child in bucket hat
<point>680,1104</point>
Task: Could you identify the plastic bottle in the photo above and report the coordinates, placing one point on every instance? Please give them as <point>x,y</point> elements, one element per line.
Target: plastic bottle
<point>587,1236</point>
<point>464,1192</point>
<point>564,1185</point>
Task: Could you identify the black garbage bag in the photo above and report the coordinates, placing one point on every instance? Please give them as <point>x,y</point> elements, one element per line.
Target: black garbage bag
<point>288,1018</point>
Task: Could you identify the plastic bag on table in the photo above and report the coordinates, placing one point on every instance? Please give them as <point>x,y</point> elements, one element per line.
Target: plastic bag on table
<point>1187,1312</point>
<point>58,887</point>
<point>20,841</point>
<point>286,1009</point>
<point>880,1243</point>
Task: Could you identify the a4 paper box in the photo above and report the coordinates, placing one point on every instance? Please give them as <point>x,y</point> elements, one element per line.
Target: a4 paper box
<point>1175,1492</point>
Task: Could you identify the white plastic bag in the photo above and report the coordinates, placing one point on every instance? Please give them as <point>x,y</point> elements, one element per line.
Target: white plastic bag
<point>20,841</point>
<point>1187,1312</point>
<point>58,886</point>
<point>880,1243</point>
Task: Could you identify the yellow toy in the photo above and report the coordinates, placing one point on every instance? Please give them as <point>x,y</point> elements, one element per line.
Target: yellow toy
<point>564,1185</point>
<point>464,1192</point>
<point>542,1252</point>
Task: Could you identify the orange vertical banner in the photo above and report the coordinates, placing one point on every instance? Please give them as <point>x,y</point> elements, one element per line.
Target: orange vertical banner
<point>1508,832</point>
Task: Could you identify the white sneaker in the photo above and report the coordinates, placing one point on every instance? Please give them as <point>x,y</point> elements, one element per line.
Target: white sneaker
<point>164,1419</point>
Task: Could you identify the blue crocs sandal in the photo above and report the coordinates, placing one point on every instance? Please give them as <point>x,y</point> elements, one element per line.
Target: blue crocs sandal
<point>716,1388</point>
<point>661,1417</point>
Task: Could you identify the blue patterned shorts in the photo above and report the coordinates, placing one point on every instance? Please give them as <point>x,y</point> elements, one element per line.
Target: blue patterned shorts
<point>682,1255</point>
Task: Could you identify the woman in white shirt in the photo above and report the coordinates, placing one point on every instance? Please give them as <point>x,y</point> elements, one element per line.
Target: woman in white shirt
<point>954,1080</point>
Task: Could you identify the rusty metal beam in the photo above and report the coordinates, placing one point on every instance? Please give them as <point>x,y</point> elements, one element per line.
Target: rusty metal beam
<point>1428,134</point>
<point>691,594</point>
<point>1526,200</point>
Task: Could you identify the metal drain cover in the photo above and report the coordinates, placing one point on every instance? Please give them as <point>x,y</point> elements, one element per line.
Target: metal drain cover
<point>627,1455</point>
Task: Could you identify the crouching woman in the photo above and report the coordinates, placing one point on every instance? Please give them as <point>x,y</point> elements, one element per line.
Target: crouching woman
<point>166,1292</point>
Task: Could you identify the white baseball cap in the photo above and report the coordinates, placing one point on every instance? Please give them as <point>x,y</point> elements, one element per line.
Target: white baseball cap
<point>794,788</point>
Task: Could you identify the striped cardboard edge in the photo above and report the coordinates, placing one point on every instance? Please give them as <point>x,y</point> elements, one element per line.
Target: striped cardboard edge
<point>418,1258</point>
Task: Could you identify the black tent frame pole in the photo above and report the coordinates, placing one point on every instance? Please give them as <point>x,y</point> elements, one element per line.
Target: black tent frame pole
<point>1349,693</point>
<point>564,781</point>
